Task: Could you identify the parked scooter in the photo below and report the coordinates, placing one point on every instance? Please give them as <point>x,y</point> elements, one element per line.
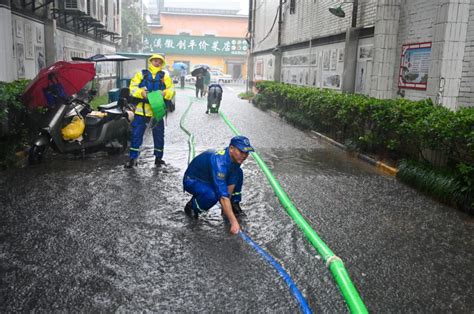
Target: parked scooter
<point>106,129</point>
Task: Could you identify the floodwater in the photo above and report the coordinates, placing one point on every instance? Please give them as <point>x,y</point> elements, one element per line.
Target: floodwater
<point>89,235</point>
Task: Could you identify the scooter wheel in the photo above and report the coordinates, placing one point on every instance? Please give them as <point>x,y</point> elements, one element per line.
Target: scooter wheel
<point>35,155</point>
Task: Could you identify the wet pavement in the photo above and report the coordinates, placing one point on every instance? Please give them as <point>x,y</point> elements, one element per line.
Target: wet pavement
<point>89,235</point>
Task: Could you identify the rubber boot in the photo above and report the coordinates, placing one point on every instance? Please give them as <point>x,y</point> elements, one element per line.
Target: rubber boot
<point>130,163</point>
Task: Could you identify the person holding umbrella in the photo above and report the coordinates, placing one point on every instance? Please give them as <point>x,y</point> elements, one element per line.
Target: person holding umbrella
<point>198,72</point>
<point>145,81</point>
<point>180,69</point>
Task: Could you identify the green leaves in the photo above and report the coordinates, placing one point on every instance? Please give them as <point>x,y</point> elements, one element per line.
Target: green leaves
<point>454,187</point>
<point>133,25</point>
<point>18,121</point>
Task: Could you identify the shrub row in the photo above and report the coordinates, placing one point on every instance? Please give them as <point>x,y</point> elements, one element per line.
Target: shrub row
<point>17,123</point>
<point>388,128</point>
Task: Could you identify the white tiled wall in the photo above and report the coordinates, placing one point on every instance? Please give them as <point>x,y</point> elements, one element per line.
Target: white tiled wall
<point>447,24</point>
<point>466,91</point>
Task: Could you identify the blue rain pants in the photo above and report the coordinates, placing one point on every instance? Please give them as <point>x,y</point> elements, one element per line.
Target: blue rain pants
<point>139,125</point>
<point>204,194</point>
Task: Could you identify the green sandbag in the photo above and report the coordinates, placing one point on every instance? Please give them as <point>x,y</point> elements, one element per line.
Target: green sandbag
<point>157,104</point>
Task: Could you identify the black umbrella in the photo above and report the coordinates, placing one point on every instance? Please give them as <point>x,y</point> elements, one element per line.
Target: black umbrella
<point>199,70</point>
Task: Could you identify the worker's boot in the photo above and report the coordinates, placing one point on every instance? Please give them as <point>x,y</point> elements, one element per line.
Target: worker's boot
<point>159,162</point>
<point>131,163</point>
<point>237,210</point>
<point>188,209</point>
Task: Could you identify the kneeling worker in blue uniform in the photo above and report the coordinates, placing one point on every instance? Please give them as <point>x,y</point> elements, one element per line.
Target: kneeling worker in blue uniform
<point>149,80</point>
<point>215,176</point>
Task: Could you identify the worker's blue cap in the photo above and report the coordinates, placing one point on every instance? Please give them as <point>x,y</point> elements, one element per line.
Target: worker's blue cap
<point>242,143</point>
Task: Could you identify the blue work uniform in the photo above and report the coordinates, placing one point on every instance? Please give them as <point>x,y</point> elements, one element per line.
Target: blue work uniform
<point>208,176</point>
<point>142,117</point>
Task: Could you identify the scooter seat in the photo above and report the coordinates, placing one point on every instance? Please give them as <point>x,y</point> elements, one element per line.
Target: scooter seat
<point>114,110</point>
<point>109,106</point>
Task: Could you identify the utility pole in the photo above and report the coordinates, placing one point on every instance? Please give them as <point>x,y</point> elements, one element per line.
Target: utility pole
<point>141,24</point>
<point>350,53</point>
<point>277,51</point>
<point>355,5</point>
<point>250,48</point>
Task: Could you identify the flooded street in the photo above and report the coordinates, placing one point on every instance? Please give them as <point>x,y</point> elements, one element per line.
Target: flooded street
<point>89,235</point>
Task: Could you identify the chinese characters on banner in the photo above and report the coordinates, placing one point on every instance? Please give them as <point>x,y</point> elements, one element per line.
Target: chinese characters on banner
<point>414,66</point>
<point>193,45</point>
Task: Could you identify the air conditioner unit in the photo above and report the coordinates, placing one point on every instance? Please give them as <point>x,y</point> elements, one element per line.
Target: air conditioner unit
<point>77,5</point>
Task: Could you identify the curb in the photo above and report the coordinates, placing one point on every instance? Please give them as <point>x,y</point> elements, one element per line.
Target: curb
<point>378,164</point>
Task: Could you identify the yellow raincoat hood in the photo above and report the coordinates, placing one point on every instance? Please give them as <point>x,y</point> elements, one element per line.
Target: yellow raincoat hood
<point>151,67</point>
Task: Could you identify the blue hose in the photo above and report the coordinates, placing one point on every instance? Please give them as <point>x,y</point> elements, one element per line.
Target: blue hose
<point>294,290</point>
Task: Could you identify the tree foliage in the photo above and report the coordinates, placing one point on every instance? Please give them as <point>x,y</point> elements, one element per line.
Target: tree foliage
<point>134,26</point>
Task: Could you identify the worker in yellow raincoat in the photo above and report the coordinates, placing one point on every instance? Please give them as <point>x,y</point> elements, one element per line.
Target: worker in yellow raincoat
<point>148,80</point>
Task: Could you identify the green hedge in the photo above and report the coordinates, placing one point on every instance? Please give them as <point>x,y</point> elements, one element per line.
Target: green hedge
<point>18,123</point>
<point>391,128</point>
<point>456,189</point>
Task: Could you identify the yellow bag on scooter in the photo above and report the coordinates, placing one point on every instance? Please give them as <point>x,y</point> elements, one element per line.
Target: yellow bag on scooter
<point>74,129</point>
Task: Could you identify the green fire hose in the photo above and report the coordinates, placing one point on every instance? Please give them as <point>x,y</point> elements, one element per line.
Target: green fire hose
<point>334,263</point>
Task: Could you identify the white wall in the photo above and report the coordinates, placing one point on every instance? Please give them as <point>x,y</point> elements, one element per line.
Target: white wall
<point>466,93</point>
<point>69,45</point>
<point>447,24</point>
<point>28,47</point>
<point>265,36</point>
<point>311,19</point>
<point>6,49</point>
<point>264,67</point>
<point>416,25</point>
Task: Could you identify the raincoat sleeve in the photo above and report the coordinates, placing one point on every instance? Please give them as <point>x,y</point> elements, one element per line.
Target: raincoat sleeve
<point>219,170</point>
<point>136,91</point>
<point>169,91</point>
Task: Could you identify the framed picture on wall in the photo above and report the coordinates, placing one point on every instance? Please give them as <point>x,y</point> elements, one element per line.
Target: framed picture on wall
<point>333,59</point>
<point>29,52</point>
<point>19,28</point>
<point>326,60</point>
<point>332,80</point>
<point>341,55</point>
<point>39,35</point>
<point>20,60</point>
<point>40,59</point>
<point>365,52</point>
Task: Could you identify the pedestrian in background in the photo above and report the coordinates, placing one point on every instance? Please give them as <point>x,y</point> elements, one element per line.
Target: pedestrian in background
<point>182,76</point>
<point>199,85</point>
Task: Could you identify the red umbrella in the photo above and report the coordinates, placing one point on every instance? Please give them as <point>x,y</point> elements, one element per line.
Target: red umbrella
<point>73,76</point>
